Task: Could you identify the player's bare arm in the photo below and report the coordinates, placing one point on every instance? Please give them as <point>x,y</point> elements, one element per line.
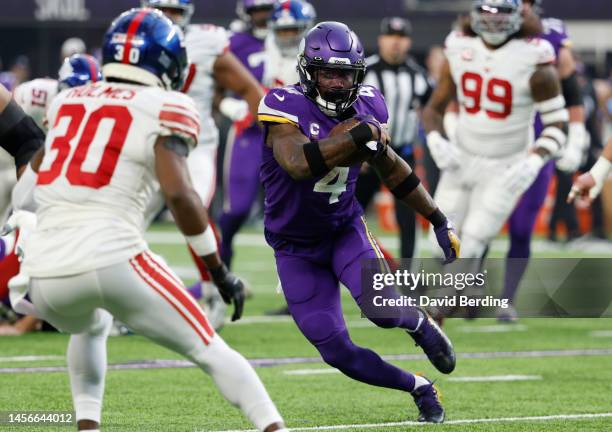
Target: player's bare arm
<point>546,92</point>
<point>192,218</point>
<point>433,113</point>
<point>304,159</point>
<point>232,75</point>
<point>19,135</point>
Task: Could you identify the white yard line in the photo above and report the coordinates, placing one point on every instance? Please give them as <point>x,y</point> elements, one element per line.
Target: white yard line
<point>392,242</point>
<point>30,358</point>
<point>450,422</point>
<point>601,333</point>
<point>497,328</point>
<point>495,378</point>
<point>483,378</point>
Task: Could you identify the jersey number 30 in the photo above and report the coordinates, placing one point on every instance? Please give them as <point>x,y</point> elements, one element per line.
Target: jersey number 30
<point>499,92</point>
<point>121,118</point>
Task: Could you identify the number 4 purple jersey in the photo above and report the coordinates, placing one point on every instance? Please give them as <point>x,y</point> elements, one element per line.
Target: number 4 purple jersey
<point>311,208</point>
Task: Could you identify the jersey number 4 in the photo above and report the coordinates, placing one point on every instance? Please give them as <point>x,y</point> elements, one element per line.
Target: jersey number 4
<point>499,92</point>
<point>121,118</point>
<point>334,183</point>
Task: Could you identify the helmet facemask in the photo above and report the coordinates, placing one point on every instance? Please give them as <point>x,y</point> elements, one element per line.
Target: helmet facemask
<point>333,87</point>
<point>495,24</point>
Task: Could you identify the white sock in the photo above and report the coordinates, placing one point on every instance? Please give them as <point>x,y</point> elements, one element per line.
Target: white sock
<point>238,383</point>
<point>87,368</point>
<point>419,381</point>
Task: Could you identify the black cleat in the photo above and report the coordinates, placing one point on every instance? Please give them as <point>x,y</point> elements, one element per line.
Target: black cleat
<point>430,408</point>
<point>435,344</point>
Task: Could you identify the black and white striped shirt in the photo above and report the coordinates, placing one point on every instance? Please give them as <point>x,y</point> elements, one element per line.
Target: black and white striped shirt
<point>406,88</point>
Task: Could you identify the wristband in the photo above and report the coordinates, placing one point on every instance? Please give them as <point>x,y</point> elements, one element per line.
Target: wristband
<point>203,244</point>
<point>437,218</point>
<point>361,134</point>
<point>315,159</point>
<point>600,170</point>
<point>409,184</point>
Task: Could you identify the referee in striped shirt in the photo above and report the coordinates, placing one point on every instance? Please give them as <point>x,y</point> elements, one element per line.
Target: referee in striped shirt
<point>406,88</point>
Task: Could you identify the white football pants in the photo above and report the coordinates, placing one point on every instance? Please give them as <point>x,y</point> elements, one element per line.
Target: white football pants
<point>474,198</point>
<point>151,300</point>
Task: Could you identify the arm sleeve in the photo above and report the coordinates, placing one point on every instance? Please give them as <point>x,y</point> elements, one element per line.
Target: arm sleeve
<point>19,135</point>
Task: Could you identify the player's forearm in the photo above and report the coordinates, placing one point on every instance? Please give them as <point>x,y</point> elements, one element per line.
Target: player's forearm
<point>398,177</point>
<point>433,119</point>
<point>189,213</point>
<point>19,135</point>
<point>302,161</point>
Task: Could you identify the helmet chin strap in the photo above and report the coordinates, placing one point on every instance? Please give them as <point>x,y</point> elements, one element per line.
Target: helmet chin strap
<point>328,108</point>
<point>494,39</point>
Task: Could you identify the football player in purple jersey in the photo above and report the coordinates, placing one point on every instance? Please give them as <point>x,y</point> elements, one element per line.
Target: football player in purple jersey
<point>523,218</point>
<point>314,222</point>
<point>243,149</point>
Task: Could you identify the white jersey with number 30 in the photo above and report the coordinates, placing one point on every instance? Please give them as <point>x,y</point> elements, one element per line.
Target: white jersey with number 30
<point>496,105</point>
<point>98,174</point>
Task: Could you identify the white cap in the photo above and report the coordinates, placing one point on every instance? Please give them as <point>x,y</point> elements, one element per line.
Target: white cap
<point>73,46</point>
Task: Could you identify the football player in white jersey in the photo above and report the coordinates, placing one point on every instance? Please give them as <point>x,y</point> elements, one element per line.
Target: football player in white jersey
<point>211,65</point>
<point>500,77</point>
<point>288,24</point>
<point>34,97</point>
<point>110,145</point>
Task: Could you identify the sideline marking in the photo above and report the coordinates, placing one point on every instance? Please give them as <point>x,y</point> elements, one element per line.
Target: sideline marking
<point>280,361</point>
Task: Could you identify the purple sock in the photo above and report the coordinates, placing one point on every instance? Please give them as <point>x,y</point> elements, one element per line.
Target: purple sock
<point>363,364</point>
<point>195,290</point>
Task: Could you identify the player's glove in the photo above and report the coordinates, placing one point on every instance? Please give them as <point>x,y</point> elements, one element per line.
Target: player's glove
<point>230,287</point>
<point>446,236</point>
<point>448,241</point>
<point>443,152</point>
<point>577,142</point>
<point>23,220</point>
<point>521,175</point>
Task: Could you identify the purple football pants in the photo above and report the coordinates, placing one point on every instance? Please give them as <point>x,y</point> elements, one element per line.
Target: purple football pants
<point>521,224</point>
<point>310,274</point>
<point>241,184</point>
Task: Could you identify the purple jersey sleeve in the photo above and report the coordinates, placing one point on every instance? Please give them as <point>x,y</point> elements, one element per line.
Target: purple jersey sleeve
<point>555,33</point>
<point>250,51</point>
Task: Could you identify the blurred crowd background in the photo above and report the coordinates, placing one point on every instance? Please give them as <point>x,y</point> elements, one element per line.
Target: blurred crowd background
<point>37,34</point>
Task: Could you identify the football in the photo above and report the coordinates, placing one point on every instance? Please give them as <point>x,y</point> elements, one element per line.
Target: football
<point>356,156</point>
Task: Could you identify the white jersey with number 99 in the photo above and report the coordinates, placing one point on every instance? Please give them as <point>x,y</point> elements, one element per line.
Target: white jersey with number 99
<point>98,174</point>
<point>494,94</point>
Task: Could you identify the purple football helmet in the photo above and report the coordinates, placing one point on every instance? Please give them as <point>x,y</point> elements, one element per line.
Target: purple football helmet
<point>333,47</point>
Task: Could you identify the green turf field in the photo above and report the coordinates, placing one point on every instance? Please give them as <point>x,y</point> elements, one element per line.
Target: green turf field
<point>538,375</point>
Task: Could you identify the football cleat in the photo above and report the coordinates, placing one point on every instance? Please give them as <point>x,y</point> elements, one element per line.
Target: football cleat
<point>435,344</point>
<point>428,403</point>
<point>507,315</point>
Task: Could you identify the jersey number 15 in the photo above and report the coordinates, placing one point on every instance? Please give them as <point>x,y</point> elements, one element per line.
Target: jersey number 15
<point>122,119</point>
